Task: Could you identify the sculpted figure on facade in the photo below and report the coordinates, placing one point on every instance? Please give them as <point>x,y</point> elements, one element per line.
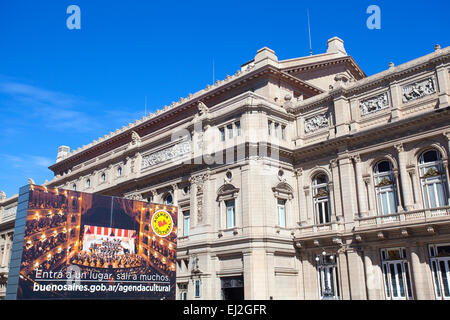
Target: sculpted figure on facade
<point>166,154</point>
<point>317,122</point>
<point>135,139</point>
<point>374,104</point>
<point>418,90</point>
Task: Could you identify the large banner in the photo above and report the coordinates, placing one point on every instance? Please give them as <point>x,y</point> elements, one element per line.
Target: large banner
<point>80,245</point>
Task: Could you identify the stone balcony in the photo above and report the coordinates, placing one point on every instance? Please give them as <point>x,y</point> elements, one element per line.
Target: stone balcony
<point>406,218</point>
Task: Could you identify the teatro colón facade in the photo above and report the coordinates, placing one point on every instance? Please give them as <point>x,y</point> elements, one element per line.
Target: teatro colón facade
<point>294,179</point>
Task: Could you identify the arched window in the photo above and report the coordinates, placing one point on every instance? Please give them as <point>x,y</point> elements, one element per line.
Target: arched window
<point>74,187</point>
<point>168,200</point>
<point>321,197</point>
<point>432,178</point>
<point>119,171</point>
<point>103,177</point>
<point>385,187</point>
<point>88,183</point>
<point>226,196</point>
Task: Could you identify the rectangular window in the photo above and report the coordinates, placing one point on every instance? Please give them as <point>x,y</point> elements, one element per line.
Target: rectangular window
<point>182,287</point>
<point>230,131</point>
<point>283,132</point>
<point>440,268</point>
<point>282,213</point>
<point>269,127</point>
<point>231,214</point>
<point>276,130</point>
<point>238,128</point>
<point>197,288</point>
<point>222,134</point>
<point>396,274</point>
<point>186,222</point>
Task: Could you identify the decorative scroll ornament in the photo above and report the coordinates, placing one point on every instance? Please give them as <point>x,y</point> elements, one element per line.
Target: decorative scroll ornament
<point>418,90</point>
<point>135,138</point>
<point>137,197</point>
<point>432,172</point>
<point>202,108</point>
<point>166,154</point>
<point>384,182</point>
<point>321,193</point>
<point>374,104</point>
<point>317,122</point>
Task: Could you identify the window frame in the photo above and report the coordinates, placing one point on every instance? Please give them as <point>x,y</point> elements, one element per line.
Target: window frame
<point>432,174</point>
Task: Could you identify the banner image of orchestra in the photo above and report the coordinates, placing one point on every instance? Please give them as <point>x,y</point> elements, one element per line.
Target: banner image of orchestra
<point>89,246</point>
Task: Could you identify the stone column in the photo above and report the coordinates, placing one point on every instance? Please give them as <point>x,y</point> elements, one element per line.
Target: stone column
<point>446,165</point>
<point>362,199</point>
<point>414,185</point>
<point>374,276</point>
<point>396,100</point>
<point>7,248</point>
<point>342,114</point>
<point>309,209</point>
<point>337,189</point>
<point>310,280</point>
<point>404,177</point>
<point>300,281</point>
<point>401,203</point>
<point>356,272</point>
<point>372,206</point>
<point>3,245</point>
<point>302,214</point>
<point>348,189</point>
<point>255,274</point>
<point>421,277</point>
<point>444,86</point>
<point>270,261</point>
<point>343,274</point>
<point>193,202</point>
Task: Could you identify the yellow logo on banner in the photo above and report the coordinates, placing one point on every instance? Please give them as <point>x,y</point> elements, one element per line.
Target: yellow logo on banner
<point>162,223</point>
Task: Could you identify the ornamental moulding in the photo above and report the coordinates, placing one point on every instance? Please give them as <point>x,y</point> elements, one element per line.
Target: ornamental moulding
<point>317,122</point>
<point>374,104</point>
<point>418,90</point>
<point>166,154</point>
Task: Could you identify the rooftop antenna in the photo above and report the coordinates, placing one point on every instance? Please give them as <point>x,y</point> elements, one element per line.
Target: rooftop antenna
<point>309,33</point>
<point>145,106</point>
<point>213,71</point>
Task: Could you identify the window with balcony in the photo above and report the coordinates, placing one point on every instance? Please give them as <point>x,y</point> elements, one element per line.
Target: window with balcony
<point>397,283</point>
<point>433,179</point>
<point>327,274</point>
<point>321,198</point>
<point>231,213</point>
<point>238,128</point>
<point>385,187</point>
<point>440,268</point>
<point>168,199</point>
<point>281,208</point>
<point>186,223</point>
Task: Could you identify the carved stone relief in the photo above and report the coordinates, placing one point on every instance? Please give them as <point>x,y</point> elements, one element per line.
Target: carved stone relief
<point>316,122</point>
<point>374,104</point>
<point>418,90</point>
<point>166,154</point>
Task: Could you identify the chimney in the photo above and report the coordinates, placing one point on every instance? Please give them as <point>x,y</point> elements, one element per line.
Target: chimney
<point>63,151</point>
<point>336,45</point>
<point>266,55</point>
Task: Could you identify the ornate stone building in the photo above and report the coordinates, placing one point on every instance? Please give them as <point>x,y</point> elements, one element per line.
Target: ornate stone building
<point>295,179</point>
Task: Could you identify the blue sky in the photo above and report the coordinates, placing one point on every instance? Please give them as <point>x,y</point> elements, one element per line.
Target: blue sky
<point>69,87</point>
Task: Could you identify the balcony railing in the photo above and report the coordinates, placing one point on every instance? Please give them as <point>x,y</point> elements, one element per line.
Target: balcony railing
<point>319,228</point>
<point>423,215</point>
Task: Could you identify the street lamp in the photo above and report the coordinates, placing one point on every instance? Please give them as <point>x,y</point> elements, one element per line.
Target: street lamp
<point>327,293</point>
